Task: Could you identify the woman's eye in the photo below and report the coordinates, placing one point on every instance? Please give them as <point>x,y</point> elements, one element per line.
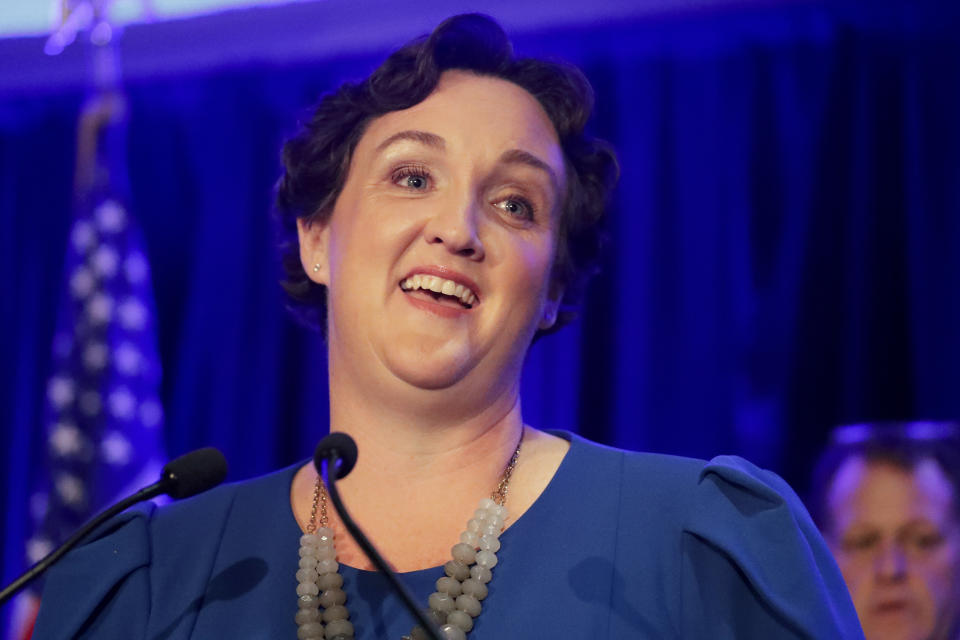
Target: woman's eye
<point>413,178</point>
<point>517,208</point>
<point>415,182</point>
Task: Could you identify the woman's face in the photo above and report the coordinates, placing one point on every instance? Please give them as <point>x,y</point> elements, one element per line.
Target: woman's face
<point>438,254</point>
<point>897,541</point>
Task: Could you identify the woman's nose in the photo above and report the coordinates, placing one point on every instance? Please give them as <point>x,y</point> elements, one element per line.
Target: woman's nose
<point>455,227</point>
<point>891,563</point>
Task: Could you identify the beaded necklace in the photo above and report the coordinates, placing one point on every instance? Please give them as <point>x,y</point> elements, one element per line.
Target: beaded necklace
<point>322,612</point>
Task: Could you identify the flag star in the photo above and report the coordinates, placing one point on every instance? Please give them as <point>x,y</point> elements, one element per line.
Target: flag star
<point>100,308</point>
<point>122,403</point>
<point>90,403</point>
<point>105,261</point>
<point>60,392</point>
<point>81,283</point>
<point>135,267</point>
<point>70,490</point>
<point>151,413</point>
<point>127,358</point>
<point>110,216</point>
<point>133,315</point>
<point>38,548</point>
<point>66,439</point>
<point>95,356</point>
<point>83,236</point>
<point>116,449</point>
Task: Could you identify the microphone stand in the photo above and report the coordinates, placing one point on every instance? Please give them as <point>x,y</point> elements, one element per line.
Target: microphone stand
<point>428,625</point>
<point>152,491</point>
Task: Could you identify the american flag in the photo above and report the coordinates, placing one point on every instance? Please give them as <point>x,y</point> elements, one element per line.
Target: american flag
<point>102,418</point>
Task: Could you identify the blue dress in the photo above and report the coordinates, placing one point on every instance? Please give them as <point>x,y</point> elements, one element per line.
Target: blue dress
<point>619,545</point>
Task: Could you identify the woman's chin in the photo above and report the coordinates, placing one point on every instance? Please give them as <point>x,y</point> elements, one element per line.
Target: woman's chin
<point>430,371</point>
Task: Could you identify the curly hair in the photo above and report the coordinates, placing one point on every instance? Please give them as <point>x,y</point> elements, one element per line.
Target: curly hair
<point>316,160</point>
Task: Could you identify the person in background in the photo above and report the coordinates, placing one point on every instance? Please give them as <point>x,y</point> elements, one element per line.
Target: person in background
<point>887,499</point>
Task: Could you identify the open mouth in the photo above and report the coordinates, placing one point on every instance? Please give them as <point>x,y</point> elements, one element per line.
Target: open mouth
<point>442,290</point>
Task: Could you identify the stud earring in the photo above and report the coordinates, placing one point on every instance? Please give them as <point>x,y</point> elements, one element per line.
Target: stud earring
<point>316,267</point>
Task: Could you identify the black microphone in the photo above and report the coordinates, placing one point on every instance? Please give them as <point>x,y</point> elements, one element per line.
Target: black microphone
<point>338,450</point>
<point>188,475</point>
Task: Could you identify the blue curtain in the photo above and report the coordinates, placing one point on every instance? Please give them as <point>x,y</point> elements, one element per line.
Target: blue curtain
<point>784,251</point>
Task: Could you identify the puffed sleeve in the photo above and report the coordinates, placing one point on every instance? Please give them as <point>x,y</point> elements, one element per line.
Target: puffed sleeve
<point>101,589</point>
<point>753,564</point>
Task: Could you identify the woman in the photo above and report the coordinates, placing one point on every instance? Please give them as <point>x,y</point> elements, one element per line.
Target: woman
<point>439,215</point>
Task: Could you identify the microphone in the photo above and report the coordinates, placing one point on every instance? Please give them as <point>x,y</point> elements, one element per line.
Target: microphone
<point>338,450</point>
<point>188,475</point>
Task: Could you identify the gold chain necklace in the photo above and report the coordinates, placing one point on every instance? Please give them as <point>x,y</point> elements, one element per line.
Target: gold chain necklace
<point>321,599</point>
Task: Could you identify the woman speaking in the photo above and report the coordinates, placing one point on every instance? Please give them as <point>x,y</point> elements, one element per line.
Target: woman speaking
<point>437,217</point>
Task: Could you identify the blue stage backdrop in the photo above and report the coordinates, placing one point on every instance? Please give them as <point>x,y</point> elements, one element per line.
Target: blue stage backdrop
<point>784,243</point>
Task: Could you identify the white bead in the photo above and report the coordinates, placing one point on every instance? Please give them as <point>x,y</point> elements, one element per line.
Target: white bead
<point>474,525</point>
<point>310,630</point>
<point>330,581</point>
<point>307,552</point>
<point>336,612</point>
<point>490,530</point>
<point>481,574</point>
<point>469,605</point>
<point>417,633</point>
<point>306,575</point>
<point>307,602</point>
<point>460,619</point>
<point>474,588</point>
<point>489,543</point>
<point>325,534</point>
<point>449,585</point>
<point>452,632</point>
<point>482,515</point>
<point>463,553</point>
<point>307,589</point>
<point>471,538</point>
<point>325,553</point>
<point>308,562</point>
<point>307,615</point>
<point>309,540</point>
<point>332,597</point>
<point>339,627</point>
<point>327,566</point>
<point>486,559</point>
<point>487,504</point>
<point>441,601</point>
<point>457,570</point>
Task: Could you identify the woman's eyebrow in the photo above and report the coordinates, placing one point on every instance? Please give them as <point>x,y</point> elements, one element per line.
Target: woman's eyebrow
<point>519,156</point>
<point>423,137</point>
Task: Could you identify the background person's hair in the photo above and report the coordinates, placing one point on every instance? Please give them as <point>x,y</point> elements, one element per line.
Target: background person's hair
<point>900,444</point>
<point>316,161</point>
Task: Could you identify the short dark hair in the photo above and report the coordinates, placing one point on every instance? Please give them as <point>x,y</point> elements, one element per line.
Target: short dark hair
<point>903,445</point>
<point>317,159</point>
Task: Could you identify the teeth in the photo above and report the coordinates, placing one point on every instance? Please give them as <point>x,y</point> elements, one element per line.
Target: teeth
<point>440,285</point>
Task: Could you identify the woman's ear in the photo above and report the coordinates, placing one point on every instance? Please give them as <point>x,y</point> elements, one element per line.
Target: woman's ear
<point>551,306</point>
<point>314,249</point>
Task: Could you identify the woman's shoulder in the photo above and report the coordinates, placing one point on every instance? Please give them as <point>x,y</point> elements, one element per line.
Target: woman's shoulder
<point>144,549</point>
<point>685,481</point>
<point>726,535</point>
